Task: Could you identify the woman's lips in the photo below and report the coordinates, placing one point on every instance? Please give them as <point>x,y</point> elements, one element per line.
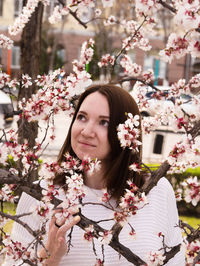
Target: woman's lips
<point>84,143</point>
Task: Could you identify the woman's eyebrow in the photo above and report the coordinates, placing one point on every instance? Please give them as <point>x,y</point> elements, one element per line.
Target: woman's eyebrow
<point>104,116</point>
<point>101,116</point>
<point>82,112</point>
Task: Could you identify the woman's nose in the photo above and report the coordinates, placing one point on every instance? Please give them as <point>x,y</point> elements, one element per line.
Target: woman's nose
<point>88,130</point>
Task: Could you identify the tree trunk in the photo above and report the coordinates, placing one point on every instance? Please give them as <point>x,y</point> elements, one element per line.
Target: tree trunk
<point>30,62</point>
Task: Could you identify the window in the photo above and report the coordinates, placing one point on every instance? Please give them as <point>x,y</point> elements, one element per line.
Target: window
<point>61,53</point>
<point>1,7</point>
<point>18,5</point>
<point>158,143</point>
<point>15,63</point>
<point>49,9</point>
<point>59,59</point>
<point>85,14</point>
<point>159,67</point>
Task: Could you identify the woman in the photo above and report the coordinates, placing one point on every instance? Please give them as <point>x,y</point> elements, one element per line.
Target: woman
<point>101,108</point>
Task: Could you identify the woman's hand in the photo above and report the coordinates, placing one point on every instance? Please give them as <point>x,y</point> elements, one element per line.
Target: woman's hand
<point>62,220</point>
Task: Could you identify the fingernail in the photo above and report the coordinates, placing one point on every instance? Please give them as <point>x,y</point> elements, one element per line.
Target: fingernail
<point>77,218</point>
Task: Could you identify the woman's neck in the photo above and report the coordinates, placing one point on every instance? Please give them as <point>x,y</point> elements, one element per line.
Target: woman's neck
<point>96,179</point>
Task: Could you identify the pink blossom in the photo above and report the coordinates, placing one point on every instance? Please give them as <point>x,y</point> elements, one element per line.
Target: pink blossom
<point>111,20</point>
<point>89,234</point>
<point>26,81</point>
<point>99,262</point>
<point>105,237</point>
<point>98,12</point>
<point>155,258</point>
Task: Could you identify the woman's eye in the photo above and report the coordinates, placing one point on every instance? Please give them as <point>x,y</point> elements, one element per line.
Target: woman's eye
<point>104,123</point>
<point>81,117</point>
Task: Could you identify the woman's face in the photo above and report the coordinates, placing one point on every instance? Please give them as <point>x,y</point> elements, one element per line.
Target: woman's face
<point>89,133</point>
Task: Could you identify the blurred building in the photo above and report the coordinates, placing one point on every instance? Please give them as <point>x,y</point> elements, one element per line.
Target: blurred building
<point>62,43</point>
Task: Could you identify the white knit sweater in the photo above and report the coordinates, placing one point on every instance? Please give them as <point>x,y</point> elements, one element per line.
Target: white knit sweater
<point>159,215</point>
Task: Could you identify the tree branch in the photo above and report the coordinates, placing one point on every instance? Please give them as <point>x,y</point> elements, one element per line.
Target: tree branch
<point>164,4</point>
<point>170,254</point>
<point>155,177</point>
<point>73,13</point>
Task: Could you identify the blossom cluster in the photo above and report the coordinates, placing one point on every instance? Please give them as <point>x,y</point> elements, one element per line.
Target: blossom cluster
<point>89,233</point>
<point>132,200</point>
<point>56,90</point>
<point>11,152</point>
<point>130,68</point>
<point>104,237</point>
<point>5,81</point>
<point>106,60</point>
<point>187,15</point>
<point>57,14</point>
<point>170,108</point>
<point>16,251</point>
<point>90,165</point>
<point>184,155</point>
<point>24,17</point>
<point>87,52</point>
<point>5,42</point>
<point>193,249</point>
<point>190,189</point>
<point>176,48</point>
<point>147,8</point>
<point>6,193</point>
<point>187,19</point>
<point>75,187</point>
<point>51,97</point>
<point>136,37</point>
<point>128,133</point>
<point>42,210</point>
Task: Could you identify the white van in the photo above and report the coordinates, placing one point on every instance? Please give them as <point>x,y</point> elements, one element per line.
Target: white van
<point>6,107</point>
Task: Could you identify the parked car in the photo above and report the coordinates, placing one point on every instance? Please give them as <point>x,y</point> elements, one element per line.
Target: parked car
<point>156,104</point>
<point>6,108</point>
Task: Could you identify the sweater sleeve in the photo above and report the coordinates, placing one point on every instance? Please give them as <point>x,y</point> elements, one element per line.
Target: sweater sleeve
<point>19,233</point>
<point>172,232</point>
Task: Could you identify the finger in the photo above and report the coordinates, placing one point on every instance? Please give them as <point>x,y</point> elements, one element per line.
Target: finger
<point>74,209</point>
<point>67,225</point>
<point>56,219</point>
<point>60,221</point>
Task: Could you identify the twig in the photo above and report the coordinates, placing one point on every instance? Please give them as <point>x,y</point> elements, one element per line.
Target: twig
<point>100,204</point>
<point>124,48</point>
<point>196,259</point>
<point>105,220</point>
<point>164,4</point>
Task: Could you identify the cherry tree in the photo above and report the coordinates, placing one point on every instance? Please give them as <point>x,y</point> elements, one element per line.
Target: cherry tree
<point>55,92</point>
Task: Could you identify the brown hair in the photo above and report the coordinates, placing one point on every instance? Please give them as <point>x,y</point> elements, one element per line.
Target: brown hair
<point>120,102</point>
